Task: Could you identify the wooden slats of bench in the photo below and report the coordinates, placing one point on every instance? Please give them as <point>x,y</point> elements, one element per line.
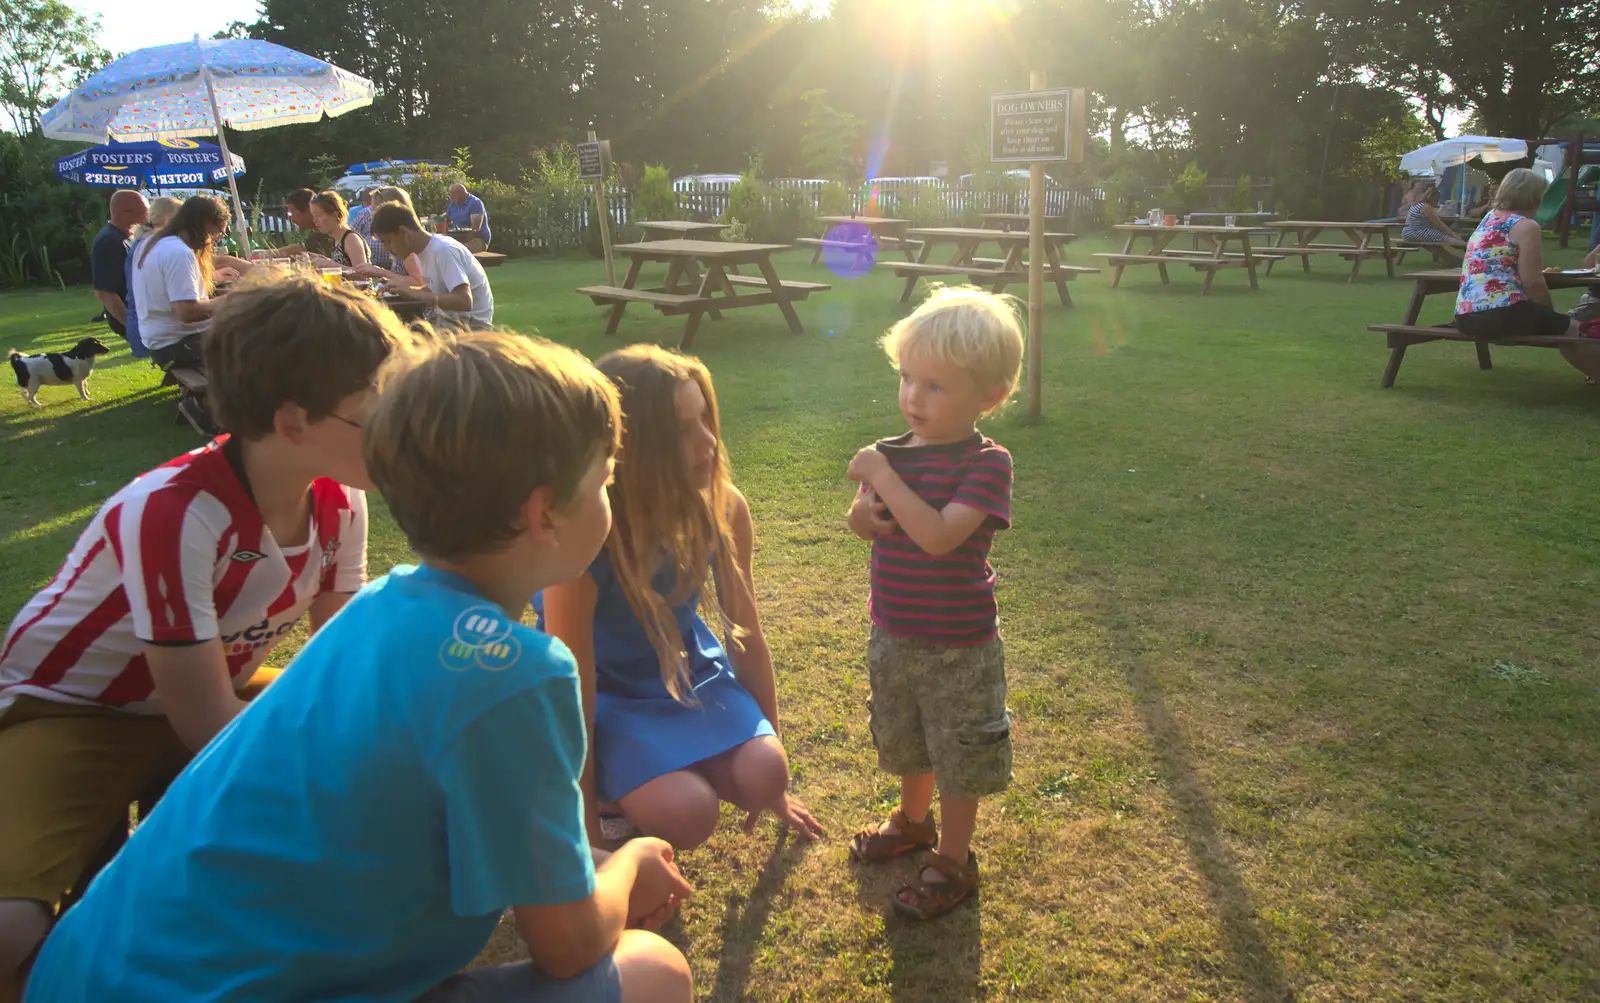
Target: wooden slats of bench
<point>489,259</point>
<point>1065,271</point>
<point>1205,262</point>
<point>804,288</point>
<point>905,268</point>
<point>1451,334</point>
<point>1403,336</point>
<point>193,381</point>
<point>610,295</point>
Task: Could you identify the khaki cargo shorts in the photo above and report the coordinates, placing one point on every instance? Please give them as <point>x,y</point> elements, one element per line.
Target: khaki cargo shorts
<point>941,709</point>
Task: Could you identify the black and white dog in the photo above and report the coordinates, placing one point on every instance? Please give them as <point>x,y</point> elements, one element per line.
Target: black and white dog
<point>57,368</point>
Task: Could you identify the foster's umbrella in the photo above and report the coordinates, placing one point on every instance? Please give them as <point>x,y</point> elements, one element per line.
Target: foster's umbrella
<point>167,163</point>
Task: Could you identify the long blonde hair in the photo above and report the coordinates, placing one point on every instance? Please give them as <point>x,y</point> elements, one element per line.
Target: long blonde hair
<point>162,209</point>
<point>660,516</point>
<point>190,225</point>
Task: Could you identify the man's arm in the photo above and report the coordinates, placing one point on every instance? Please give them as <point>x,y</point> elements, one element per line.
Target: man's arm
<point>194,686</point>
<point>458,300</point>
<point>115,305</point>
<point>190,311</point>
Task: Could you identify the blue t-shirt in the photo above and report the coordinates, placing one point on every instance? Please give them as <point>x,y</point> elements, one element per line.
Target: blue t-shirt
<point>461,215</point>
<point>357,832</point>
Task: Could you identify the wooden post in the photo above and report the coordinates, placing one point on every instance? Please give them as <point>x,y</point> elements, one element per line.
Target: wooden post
<point>605,221</point>
<point>1035,272</point>
<point>1575,157</point>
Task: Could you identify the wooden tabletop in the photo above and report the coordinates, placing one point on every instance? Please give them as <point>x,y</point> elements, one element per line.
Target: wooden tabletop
<point>974,232</point>
<point>867,221</point>
<point>1253,215</point>
<point>698,248</point>
<point>1555,280</point>
<point>1147,228</point>
<point>1020,217</point>
<point>681,225</point>
<point>1301,224</point>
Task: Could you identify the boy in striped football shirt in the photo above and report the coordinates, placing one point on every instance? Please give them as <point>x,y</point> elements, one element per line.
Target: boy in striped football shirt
<point>930,502</point>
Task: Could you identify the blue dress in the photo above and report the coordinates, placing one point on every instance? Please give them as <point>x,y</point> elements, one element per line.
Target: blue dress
<point>640,732</point>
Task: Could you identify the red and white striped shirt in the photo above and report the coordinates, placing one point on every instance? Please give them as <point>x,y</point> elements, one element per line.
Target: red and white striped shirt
<point>180,555</point>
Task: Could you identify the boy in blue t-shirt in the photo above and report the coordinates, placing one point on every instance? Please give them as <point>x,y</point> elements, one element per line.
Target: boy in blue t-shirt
<point>357,833</point>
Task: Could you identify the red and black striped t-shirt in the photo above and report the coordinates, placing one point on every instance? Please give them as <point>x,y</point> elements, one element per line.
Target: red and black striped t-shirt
<point>948,599</point>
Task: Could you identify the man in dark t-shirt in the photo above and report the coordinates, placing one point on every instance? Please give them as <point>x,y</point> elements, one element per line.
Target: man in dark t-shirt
<point>109,254</point>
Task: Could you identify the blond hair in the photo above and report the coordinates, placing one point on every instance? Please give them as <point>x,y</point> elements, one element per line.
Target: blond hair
<point>286,339</point>
<point>660,516</point>
<point>973,330</point>
<point>467,427</point>
<point>1521,191</point>
<point>162,210</point>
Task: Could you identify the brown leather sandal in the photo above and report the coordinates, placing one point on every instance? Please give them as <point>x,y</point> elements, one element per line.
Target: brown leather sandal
<point>872,846</point>
<point>935,899</point>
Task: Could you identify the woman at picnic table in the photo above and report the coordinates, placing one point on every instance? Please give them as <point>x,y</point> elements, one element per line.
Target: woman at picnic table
<point>328,215</point>
<point>173,280</point>
<point>1423,225</point>
<point>1503,290</point>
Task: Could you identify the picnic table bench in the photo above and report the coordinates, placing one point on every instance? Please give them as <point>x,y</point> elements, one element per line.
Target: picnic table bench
<point>1448,280</point>
<point>1360,248</point>
<point>1163,254</point>
<point>489,259</point>
<point>1018,221</point>
<point>688,293</point>
<point>861,236</point>
<point>996,273</point>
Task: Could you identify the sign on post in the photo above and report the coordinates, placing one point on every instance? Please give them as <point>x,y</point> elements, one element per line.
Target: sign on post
<point>594,163</point>
<point>594,159</point>
<point>1031,127</point>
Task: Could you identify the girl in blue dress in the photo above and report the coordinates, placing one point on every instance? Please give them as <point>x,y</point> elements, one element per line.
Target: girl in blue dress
<point>678,719</point>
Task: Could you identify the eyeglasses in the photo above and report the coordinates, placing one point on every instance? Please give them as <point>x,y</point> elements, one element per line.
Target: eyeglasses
<point>347,421</point>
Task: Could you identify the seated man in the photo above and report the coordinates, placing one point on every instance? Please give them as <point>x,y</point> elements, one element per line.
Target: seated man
<point>108,256</point>
<point>380,263</point>
<point>457,288</point>
<point>359,834</point>
<point>312,241</point>
<point>140,650</point>
<point>469,220</point>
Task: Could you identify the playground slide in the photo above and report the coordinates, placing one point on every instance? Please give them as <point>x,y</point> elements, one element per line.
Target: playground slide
<point>1556,197</point>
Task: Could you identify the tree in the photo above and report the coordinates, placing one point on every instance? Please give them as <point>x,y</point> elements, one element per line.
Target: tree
<point>46,47</point>
<point>1522,65</point>
<point>829,142</point>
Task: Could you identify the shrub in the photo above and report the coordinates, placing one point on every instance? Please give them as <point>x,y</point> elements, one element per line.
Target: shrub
<point>792,214</point>
<point>1187,193</point>
<point>654,198</point>
<point>747,202</point>
<point>834,199</point>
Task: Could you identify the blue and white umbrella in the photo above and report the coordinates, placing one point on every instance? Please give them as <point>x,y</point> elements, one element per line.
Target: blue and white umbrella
<point>194,88</point>
<point>166,163</point>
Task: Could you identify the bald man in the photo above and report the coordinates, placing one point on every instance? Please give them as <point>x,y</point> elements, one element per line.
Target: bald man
<point>109,254</point>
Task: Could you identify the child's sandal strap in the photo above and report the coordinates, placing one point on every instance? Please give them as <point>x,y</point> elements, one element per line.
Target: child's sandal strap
<point>873,846</point>
<point>933,900</point>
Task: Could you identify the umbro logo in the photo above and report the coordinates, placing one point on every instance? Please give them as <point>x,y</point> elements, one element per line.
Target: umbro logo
<point>246,556</point>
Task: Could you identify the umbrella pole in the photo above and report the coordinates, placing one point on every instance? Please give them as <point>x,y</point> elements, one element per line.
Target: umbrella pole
<point>227,165</point>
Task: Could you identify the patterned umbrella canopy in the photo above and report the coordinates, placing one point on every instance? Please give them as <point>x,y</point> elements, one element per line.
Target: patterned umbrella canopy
<point>193,88</point>
<point>161,92</point>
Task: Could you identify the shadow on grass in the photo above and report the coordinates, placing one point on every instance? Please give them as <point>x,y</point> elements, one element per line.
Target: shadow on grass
<point>933,961</point>
<point>1256,967</point>
<point>746,917</point>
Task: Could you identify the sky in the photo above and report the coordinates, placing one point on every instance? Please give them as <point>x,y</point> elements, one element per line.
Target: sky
<point>127,26</point>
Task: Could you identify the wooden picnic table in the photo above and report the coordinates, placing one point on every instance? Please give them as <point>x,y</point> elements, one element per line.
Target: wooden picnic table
<point>686,292</point>
<point>1162,254</point>
<point>1360,247</point>
<point>1439,281</point>
<point>996,273</point>
<point>884,231</point>
<point>687,229</point>
<point>1018,221</point>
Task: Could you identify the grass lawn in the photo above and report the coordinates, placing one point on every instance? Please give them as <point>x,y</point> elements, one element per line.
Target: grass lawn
<point>1303,672</point>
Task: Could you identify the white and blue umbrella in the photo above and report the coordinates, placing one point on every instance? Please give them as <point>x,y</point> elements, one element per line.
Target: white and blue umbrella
<point>194,88</point>
<point>166,163</point>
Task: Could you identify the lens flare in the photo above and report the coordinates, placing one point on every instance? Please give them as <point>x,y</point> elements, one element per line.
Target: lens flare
<point>849,250</point>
